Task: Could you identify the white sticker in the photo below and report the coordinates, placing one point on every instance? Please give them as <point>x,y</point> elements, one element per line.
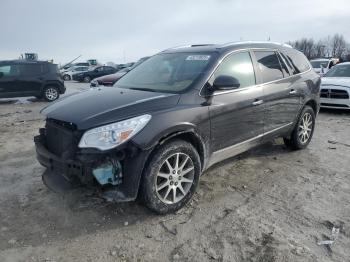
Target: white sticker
<point>198,57</point>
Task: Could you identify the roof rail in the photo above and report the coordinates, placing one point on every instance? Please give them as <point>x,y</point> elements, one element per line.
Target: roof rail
<point>187,46</point>
<point>255,42</point>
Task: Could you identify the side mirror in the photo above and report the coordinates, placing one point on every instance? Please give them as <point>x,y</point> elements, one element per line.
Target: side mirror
<point>225,82</point>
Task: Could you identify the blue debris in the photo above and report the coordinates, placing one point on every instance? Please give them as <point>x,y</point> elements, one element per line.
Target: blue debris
<point>108,173</point>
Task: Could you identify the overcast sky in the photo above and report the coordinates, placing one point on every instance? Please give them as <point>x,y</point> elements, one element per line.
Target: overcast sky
<point>122,31</point>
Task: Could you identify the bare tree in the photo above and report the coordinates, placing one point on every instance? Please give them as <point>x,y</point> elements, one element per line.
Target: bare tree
<point>338,45</point>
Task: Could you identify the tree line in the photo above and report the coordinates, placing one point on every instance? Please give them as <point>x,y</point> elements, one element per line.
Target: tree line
<point>331,46</point>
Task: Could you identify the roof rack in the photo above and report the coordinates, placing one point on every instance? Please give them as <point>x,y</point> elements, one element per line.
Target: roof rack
<point>255,42</point>
<point>187,46</point>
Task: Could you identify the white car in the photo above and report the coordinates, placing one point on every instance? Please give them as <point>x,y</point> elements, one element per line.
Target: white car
<point>335,87</point>
<point>322,65</point>
<point>67,75</point>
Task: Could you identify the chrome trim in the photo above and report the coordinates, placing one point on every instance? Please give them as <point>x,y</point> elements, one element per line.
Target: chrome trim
<point>247,87</point>
<point>241,147</point>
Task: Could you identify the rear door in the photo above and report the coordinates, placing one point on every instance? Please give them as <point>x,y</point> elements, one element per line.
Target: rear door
<point>31,78</point>
<point>237,115</point>
<point>280,98</point>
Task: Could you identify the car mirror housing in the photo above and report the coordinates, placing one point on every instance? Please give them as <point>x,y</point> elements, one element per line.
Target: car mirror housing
<point>225,82</point>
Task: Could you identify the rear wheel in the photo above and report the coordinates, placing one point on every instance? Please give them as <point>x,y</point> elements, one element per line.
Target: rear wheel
<point>171,177</point>
<point>51,93</point>
<point>303,130</point>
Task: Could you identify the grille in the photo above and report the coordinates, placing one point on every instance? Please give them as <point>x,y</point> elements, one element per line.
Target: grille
<point>334,93</point>
<point>60,139</point>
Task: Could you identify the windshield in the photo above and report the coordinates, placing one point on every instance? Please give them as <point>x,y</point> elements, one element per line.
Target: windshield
<point>339,71</point>
<point>317,64</point>
<point>170,73</point>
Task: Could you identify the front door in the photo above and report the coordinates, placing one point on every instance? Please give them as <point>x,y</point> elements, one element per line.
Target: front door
<point>8,80</point>
<point>237,116</point>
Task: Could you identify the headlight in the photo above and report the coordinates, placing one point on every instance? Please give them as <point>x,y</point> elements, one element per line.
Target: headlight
<point>112,135</point>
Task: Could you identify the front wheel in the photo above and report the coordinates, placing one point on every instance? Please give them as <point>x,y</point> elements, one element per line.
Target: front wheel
<point>87,79</point>
<point>303,130</point>
<point>66,77</point>
<point>171,177</point>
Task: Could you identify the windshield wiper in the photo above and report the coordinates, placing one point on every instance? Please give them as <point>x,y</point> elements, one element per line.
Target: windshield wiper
<point>142,89</point>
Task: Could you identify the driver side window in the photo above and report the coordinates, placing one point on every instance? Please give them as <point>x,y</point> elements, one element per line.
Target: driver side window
<point>238,65</point>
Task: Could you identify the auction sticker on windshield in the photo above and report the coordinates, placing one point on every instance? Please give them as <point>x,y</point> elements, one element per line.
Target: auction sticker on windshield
<point>198,57</point>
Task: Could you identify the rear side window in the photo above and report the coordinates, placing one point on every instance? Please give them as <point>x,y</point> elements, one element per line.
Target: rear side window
<point>297,60</point>
<point>238,65</point>
<point>31,69</point>
<point>269,66</point>
<point>285,68</point>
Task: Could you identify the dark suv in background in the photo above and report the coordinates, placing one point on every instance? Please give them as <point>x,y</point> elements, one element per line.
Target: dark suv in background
<point>20,78</point>
<point>93,73</point>
<point>175,115</point>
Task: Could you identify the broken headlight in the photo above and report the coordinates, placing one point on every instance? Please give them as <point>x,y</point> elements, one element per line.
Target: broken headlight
<point>112,135</point>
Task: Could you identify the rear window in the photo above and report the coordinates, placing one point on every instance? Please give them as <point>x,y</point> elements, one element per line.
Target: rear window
<point>269,66</point>
<point>297,60</point>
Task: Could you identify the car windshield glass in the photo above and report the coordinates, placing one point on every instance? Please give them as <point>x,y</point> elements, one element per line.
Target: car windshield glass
<point>339,71</point>
<point>170,73</point>
<point>318,64</point>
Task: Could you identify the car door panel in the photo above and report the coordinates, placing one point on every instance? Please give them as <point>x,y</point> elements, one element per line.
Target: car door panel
<point>237,116</point>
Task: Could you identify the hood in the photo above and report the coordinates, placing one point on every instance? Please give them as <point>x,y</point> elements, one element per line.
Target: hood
<point>97,107</point>
<point>110,78</point>
<point>336,81</point>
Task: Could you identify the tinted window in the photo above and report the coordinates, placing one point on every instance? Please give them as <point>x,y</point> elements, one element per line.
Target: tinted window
<point>9,70</point>
<point>298,60</point>
<point>238,65</point>
<point>268,65</point>
<point>30,69</point>
<point>339,71</point>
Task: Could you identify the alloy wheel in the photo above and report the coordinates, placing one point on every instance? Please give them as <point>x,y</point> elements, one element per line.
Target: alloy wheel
<point>175,178</point>
<point>51,93</point>
<point>305,128</point>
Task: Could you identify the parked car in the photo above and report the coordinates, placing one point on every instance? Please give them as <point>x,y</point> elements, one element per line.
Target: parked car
<point>68,66</point>
<point>22,78</point>
<point>335,87</point>
<point>109,80</point>
<point>93,73</point>
<point>67,75</point>
<point>175,115</point>
<point>322,65</point>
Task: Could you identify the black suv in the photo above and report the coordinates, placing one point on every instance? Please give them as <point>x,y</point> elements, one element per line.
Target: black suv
<point>20,78</point>
<point>93,73</point>
<point>154,133</point>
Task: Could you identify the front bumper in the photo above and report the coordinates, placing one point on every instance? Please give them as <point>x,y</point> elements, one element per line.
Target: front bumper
<point>64,174</point>
<point>335,97</point>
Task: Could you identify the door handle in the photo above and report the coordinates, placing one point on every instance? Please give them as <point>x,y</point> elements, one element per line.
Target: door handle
<point>293,92</point>
<point>257,102</point>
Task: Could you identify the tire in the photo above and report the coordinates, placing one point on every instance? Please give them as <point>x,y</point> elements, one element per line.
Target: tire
<point>86,79</point>
<point>159,181</point>
<point>303,130</point>
<point>51,93</point>
<point>66,77</point>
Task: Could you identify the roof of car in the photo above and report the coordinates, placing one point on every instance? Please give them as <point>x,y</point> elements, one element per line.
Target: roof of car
<point>226,47</point>
<point>24,61</point>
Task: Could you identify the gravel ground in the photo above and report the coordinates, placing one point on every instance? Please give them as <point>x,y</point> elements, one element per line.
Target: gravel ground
<point>269,204</point>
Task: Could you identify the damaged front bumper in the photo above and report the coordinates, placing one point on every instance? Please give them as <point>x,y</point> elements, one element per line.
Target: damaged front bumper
<point>115,174</point>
